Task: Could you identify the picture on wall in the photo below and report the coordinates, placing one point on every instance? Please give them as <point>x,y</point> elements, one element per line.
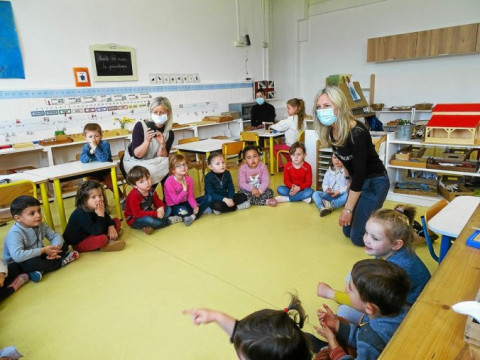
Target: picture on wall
<point>113,62</point>
<point>266,85</point>
<point>82,78</point>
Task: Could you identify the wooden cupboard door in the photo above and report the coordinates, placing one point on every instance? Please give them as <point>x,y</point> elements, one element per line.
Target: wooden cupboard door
<point>447,41</point>
<point>477,47</point>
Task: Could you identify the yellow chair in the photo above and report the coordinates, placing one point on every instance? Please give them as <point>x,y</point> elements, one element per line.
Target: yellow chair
<point>198,165</point>
<point>9,192</point>
<point>301,138</point>
<point>430,213</point>
<point>230,152</point>
<point>249,137</point>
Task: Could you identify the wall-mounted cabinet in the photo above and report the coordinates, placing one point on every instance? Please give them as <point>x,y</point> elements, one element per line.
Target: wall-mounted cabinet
<point>463,39</point>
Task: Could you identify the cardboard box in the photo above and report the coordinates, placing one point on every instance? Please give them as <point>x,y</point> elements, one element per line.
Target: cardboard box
<point>218,119</point>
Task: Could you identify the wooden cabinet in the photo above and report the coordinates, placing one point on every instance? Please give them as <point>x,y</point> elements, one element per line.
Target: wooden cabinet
<point>447,41</point>
<point>453,40</point>
<point>324,157</point>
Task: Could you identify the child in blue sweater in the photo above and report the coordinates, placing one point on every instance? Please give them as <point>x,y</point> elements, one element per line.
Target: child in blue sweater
<point>219,185</point>
<point>378,289</point>
<point>388,236</point>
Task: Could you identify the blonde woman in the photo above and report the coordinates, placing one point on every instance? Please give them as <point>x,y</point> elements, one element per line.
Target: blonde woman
<point>352,145</point>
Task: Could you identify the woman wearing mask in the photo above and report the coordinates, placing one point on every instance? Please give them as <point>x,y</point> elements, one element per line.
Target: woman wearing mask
<point>261,111</point>
<point>352,145</point>
<point>152,140</point>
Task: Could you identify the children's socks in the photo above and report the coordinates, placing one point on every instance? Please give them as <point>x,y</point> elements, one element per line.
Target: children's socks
<point>148,230</point>
<point>19,281</point>
<point>188,220</point>
<point>174,219</point>
<point>244,205</point>
<point>71,256</point>
<point>281,199</point>
<point>35,276</point>
<point>271,202</point>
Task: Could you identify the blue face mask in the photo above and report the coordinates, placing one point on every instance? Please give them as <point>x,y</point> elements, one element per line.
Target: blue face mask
<point>326,116</point>
<point>259,100</point>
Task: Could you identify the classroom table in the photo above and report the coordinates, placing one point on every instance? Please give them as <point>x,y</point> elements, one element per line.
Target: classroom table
<point>431,329</point>
<point>76,168</point>
<point>266,134</point>
<point>203,146</point>
<point>41,182</point>
<point>450,221</point>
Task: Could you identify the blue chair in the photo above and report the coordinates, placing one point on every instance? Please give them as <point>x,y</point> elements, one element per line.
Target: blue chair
<point>430,213</point>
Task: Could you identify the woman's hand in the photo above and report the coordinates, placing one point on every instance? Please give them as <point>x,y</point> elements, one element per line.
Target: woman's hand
<point>345,218</point>
<point>160,139</point>
<point>149,135</point>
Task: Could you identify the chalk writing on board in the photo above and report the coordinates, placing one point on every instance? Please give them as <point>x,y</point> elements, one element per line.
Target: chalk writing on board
<point>113,63</point>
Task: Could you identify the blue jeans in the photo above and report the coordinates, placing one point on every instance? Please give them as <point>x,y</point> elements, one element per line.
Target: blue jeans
<point>374,193</point>
<point>336,202</point>
<point>301,195</point>
<point>153,222</point>
<point>184,209</point>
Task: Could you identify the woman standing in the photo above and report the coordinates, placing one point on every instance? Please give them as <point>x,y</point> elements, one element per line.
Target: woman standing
<point>152,141</point>
<point>352,145</point>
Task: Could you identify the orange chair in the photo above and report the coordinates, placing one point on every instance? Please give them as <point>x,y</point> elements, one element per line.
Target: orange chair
<point>193,162</point>
<point>9,192</point>
<point>230,152</point>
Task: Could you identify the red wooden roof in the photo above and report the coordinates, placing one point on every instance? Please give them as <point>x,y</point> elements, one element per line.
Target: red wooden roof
<point>459,121</point>
<point>456,108</point>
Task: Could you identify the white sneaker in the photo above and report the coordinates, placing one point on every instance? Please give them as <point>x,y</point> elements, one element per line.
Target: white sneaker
<point>281,199</point>
<point>244,205</point>
<point>327,204</point>
<point>174,219</point>
<point>307,200</point>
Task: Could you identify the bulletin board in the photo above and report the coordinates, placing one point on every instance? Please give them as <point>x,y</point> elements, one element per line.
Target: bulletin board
<point>112,62</point>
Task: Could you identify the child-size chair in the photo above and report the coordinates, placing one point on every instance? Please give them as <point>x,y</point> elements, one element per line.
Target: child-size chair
<point>193,162</point>
<point>431,212</point>
<point>9,192</point>
<point>230,151</point>
<point>301,138</point>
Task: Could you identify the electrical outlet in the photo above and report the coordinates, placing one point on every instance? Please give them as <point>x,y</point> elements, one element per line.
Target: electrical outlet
<point>240,43</point>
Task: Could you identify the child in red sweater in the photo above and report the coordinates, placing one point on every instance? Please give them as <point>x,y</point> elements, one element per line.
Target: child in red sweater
<point>144,209</point>
<point>297,177</point>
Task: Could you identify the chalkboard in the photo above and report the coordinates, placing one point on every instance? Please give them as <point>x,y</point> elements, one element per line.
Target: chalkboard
<point>113,62</point>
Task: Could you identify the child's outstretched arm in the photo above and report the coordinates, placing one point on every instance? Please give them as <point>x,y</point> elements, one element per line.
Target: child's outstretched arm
<point>206,316</point>
<point>326,291</point>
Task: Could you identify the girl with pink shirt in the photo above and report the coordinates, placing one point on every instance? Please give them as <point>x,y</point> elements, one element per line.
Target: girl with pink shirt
<point>178,191</point>
<point>253,178</point>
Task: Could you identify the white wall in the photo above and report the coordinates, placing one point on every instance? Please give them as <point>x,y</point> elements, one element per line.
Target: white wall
<point>337,43</point>
<point>169,36</point>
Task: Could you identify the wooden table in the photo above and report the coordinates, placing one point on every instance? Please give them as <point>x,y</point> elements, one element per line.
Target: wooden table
<point>76,168</point>
<point>41,182</point>
<point>203,146</point>
<point>450,221</point>
<point>269,135</point>
<point>431,329</point>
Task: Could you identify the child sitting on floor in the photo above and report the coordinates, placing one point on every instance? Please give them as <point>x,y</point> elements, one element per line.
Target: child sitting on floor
<point>24,241</point>
<point>335,188</point>
<point>144,209</point>
<point>253,178</point>
<point>297,177</point>
<point>378,289</point>
<point>264,334</point>
<point>219,185</point>
<point>179,192</point>
<point>97,149</point>
<point>388,236</point>
<point>90,227</point>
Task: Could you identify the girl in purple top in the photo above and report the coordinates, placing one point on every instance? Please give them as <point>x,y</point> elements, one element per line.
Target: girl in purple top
<point>178,191</point>
<point>253,178</point>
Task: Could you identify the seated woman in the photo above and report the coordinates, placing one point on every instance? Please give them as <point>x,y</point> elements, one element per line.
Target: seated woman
<point>152,141</point>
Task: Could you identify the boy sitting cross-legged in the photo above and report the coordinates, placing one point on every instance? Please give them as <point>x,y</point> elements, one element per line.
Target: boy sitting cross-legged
<point>144,209</point>
<point>24,241</point>
<point>379,289</point>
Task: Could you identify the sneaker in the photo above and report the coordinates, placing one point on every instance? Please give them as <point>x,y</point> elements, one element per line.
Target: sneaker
<point>327,205</point>
<point>188,220</point>
<point>282,199</point>
<point>271,202</point>
<point>244,205</point>
<point>113,245</point>
<point>35,276</point>
<point>208,210</point>
<point>325,211</point>
<point>174,219</point>
<point>71,256</point>
<point>148,230</point>
<point>307,200</point>
<point>19,281</point>
<point>216,212</point>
